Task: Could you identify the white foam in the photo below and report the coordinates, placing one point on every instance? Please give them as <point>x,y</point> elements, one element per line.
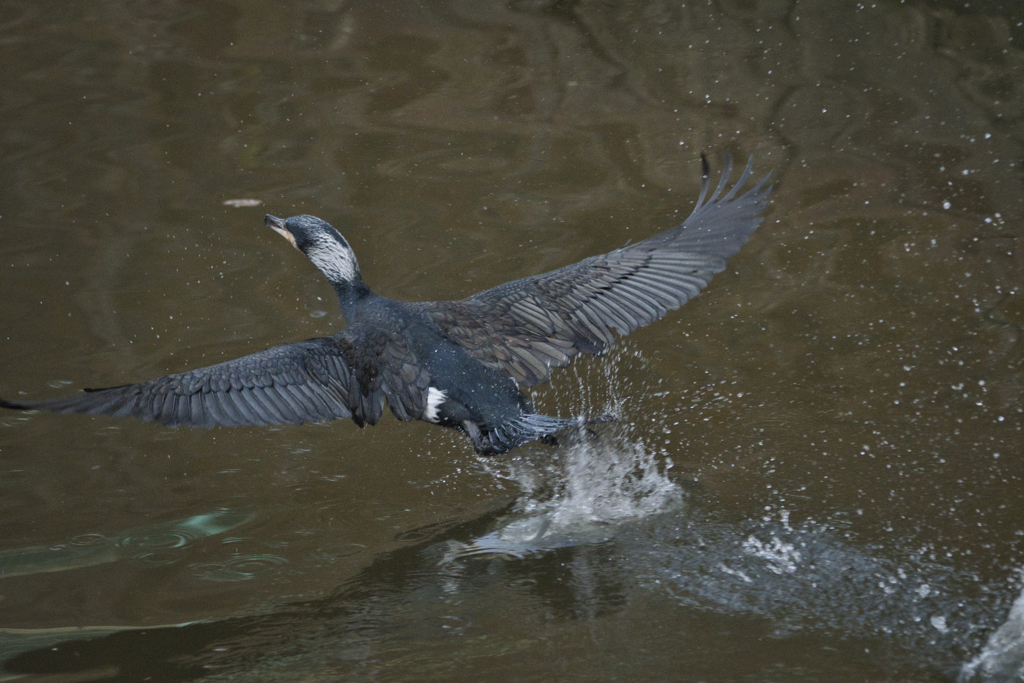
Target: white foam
<point>1002,658</point>
<point>580,498</point>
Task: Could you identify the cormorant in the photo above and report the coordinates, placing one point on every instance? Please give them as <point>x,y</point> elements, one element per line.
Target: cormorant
<point>458,364</point>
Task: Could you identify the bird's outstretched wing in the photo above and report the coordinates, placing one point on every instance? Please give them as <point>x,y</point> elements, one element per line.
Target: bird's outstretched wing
<point>528,326</point>
<point>309,381</point>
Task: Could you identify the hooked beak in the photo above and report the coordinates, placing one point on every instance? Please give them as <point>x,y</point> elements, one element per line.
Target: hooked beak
<point>278,225</point>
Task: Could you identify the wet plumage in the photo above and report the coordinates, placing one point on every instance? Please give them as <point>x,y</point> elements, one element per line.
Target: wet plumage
<point>459,364</point>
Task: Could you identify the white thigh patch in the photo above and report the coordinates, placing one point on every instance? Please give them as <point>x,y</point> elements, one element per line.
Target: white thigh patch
<point>435,397</point>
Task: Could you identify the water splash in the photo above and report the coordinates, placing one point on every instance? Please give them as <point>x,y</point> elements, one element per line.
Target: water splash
<point>1002,658</point>
<point>591,486</point>
<point>807,578</point>
<point>612,479</point>
<point>598,478</point>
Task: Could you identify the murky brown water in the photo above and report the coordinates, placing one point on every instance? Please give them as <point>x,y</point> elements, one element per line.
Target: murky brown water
<point>842,408</point>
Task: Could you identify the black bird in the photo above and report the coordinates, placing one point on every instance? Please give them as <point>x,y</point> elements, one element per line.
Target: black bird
<point>458,364</point>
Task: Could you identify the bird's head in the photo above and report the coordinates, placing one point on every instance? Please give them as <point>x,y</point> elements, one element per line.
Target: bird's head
<point>321,243</point>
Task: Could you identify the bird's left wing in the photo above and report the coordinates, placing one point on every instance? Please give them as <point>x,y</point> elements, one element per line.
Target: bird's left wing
<point>309,381</point>
<point>528,326</point>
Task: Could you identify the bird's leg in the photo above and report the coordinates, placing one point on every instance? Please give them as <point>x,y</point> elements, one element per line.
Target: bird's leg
<point>473,432</point>
<point>481,445</point>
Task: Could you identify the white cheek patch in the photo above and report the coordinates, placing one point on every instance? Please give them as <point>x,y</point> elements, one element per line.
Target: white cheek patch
<point>334,261</point>
<point>435,397</point>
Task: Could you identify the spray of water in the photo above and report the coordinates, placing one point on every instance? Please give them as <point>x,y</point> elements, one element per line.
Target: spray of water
<point>598,477</point>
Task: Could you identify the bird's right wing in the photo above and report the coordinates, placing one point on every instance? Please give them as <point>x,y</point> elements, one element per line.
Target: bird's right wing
<point>309,381</point>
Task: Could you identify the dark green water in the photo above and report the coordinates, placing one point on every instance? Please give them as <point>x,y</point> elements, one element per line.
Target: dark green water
<point>817,475</point>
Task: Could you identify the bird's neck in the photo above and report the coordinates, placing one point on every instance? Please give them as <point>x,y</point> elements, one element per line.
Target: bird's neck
<point>350,293</point>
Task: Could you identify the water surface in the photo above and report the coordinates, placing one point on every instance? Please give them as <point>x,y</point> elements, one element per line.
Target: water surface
<point>817,470</point>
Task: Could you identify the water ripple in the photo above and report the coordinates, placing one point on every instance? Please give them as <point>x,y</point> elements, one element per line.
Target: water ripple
<point>241,568</point>
<point>156,544</point>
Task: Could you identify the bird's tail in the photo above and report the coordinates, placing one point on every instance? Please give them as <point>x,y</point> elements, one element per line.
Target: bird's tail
<point>525,428</point>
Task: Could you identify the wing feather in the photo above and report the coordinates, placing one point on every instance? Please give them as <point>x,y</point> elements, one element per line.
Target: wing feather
<point>308,381</point>
<point>516,326</point>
